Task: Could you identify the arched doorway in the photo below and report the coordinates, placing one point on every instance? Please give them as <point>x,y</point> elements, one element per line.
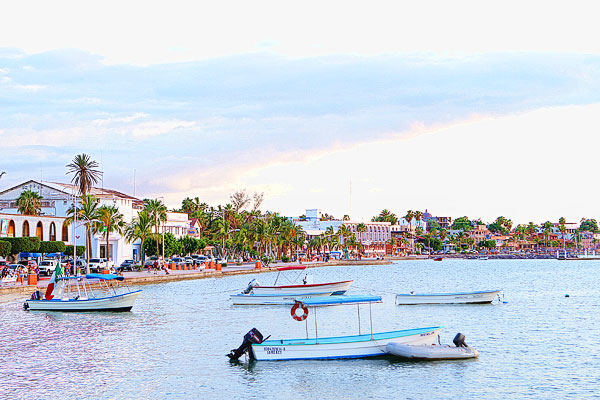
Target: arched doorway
<point>39,230</point>
<point>11,228</point>
<point>52,232</point>
<point>65,233</point>
<point>25,229</point>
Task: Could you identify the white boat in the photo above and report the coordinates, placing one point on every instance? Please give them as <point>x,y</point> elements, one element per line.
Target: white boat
<point>94,292</point>
<point>481,297</point>
<point>273,299</point>
<point>355,346</point>
<point>431,352</point>
<point>306,287</point>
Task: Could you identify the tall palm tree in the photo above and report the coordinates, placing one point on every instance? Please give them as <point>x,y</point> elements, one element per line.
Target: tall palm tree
<point>112,221</point>
<point>85,173</point>
<point>410,214</point>
<point>140,228</point>
<point>87,212</point>
<point>29,202</point>
<point>157,211</point>
<point>562,221</point>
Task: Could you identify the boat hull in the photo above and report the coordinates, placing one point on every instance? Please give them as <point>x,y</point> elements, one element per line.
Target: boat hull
<point>334,287</point>
<point>274,299</point>
<point>447,298</point>
<point>358,346</point>
<point>122,302</point>
<point>431,352</point>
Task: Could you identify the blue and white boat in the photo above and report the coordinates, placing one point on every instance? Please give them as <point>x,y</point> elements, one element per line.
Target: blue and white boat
<point>93,292</point>
<point>481,297</point>
<point>369,344</point>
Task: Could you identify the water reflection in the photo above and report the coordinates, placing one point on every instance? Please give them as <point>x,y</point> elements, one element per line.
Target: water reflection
<point>173,343</point>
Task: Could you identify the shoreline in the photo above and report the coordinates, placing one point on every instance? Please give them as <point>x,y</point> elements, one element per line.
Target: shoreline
<point>10,293</point>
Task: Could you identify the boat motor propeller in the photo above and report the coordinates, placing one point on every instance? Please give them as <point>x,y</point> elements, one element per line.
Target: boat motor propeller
<point>459,340</point>
<point>252,337</point>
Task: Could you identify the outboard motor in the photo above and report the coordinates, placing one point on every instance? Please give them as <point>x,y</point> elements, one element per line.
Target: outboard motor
<point>459,340</point>
<point>251,285</point>
<point>37,295</point>
<point>252,337</point>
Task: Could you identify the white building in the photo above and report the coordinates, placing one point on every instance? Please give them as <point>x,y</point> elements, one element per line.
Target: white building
<point>57,198</point>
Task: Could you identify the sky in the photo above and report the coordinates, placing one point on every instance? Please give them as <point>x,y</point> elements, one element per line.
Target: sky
<point>460,108</point>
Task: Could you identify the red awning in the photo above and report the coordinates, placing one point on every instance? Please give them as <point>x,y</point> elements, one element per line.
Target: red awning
<point>291,267</point>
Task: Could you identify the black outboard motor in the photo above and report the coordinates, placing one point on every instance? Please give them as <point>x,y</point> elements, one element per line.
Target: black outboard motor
<point>459,340</point>
<point>252,337</point>
<point>37,295</point>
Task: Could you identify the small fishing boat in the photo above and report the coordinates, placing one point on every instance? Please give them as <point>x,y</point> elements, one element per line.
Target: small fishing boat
<point>92,292</point>
<point>293,288</point>
<point>481,297</point>
<point>438,258</point>
<point>354,346</point>
<point>272,299</point>
<point>460,350</point>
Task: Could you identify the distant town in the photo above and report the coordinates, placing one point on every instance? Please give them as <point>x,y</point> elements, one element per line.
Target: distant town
<point>105,223</point>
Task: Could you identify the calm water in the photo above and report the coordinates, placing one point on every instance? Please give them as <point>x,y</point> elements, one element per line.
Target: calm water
<point>540,344</point>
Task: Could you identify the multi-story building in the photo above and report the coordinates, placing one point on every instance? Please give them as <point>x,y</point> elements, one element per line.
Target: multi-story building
<point>58,198</point>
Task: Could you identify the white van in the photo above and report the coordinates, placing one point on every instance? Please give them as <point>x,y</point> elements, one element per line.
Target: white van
<point>47,267</point>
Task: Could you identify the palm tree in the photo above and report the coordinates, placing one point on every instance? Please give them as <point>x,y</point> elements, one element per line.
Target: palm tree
<point>157,211</point>
<point>88,212</point>
<point>140,228</point>
<point>562,221</point>
<point>112,221</point>
<point>410,214</point>
<point>85,173</point>
<point>29,202</point>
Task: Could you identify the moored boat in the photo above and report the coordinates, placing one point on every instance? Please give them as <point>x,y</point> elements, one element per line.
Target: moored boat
<point>93,292</point>
<point>294,288</point>
<point>354,346</point>
<point>273,299</point>
<point>433,352</point>
<point>480,297</point>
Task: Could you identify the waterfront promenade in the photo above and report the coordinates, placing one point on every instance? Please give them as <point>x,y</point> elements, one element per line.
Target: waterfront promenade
<point>145,277</point>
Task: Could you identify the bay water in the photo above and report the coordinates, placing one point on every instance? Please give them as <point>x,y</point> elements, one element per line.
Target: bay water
<point>534,343</point>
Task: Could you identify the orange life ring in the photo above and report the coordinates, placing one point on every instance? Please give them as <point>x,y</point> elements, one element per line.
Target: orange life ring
<point>299,317</point>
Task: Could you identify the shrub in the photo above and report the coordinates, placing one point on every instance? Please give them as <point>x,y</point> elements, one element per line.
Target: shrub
<point>5,248</point>
<point>69,250</point>
<point>23,244</point>
<point>223,265</point>
<point>52,247</point>
<point>285,259</point>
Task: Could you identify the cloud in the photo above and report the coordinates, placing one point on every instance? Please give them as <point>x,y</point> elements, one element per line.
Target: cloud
<point>211,125</point>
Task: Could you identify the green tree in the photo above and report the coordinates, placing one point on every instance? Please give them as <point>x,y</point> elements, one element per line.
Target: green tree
<point>140,228</point>
<point>589,225</point>
<point>51,247</point>
<point>69,250</point>
<point>157,212</point>
<point>85,173</point>
<point>111,221</point>
<point>172,245</point>
<point>22,245</point>
<point>5,248</point>
<point>88,214</point>
<point>463,224</point>
<point>385,216</point>
<point>29,202</point>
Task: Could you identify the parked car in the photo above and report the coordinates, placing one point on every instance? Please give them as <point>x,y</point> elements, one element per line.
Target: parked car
<point>126,265</point>
<point>178,260</point>
<point>28,263</point>
<point>97,264</point>
<point>47,267</point>
<point>3,263</point>
<point>189,260</point>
